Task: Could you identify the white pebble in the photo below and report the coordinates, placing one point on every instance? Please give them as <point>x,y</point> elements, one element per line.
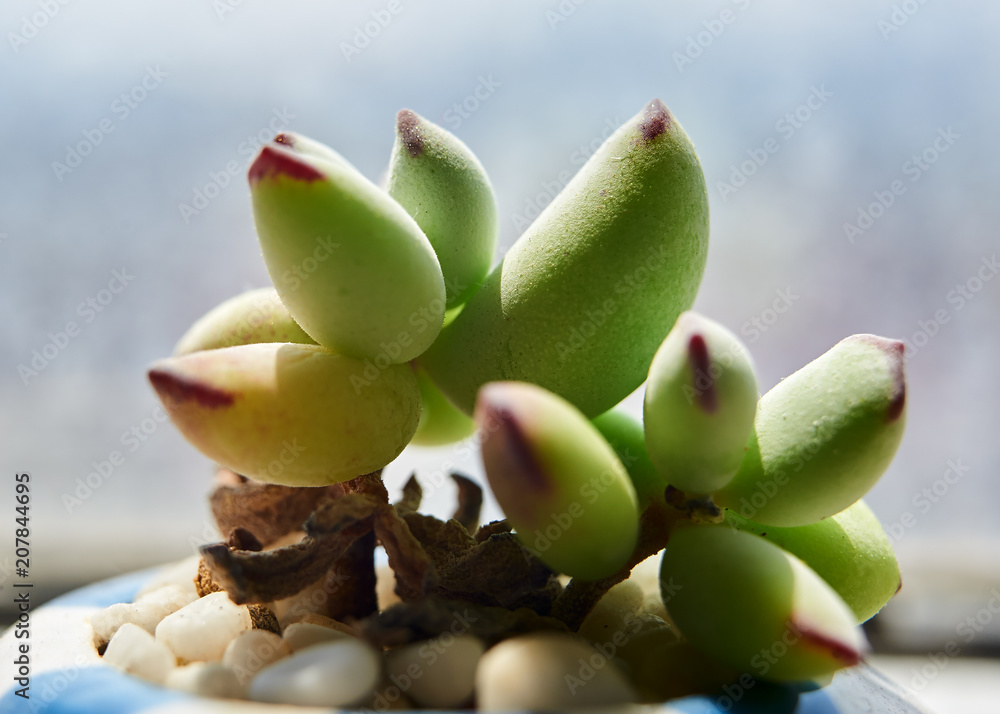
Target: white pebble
<point>253,650</point>
<point>146,612</point>
<point>133,650</point>
<point>300,635</point>
<point>647,576</point>
<point>107,621</point>
<point>181,574</point>
<point>611,617</point>
<point>339,674</point>
<point>548,672</point>
<point>171,597</point>
<point>655,606</point>
<point>206,679</point>
<point>438,673</point>
<point>200,632</point>
<point>647,632</point>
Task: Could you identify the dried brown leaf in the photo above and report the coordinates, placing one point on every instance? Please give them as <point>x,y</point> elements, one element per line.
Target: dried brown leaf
<point>407,557</point>
<point>432,616</point>
<point>470,502</point>
<point>444,541</point>
<point>496,571</point>
<point>492,528</point>
<point>353,574</point>
<point>259,577</point>
<point>351,578</point>
<point>242,539</point>
<point>412,495</point>
<point>499,571</point>
<point>267,510</point>
<point>368,484</point>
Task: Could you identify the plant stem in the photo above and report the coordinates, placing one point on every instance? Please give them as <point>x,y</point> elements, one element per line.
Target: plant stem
<point>579,597</point>
<point>350,582</point>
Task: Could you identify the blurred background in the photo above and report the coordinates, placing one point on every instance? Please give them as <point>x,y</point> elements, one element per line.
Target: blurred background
<point>852,159</point>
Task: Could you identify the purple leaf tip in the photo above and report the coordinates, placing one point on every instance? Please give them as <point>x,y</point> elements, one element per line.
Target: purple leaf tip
<point>655,120</point>
<point>408,127</point>
<point>174,389</point>
<point>705,394</point>
<point>278,161</point>
<point>894,351</point>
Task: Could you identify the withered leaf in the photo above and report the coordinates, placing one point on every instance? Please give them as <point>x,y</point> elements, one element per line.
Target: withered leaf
<point>267,510</point>
<point>443,540</point>
<point>432,616</point>
<point>499,571</point>
<point>242,539</point>
<point>412,495</point>
<point>470,502</point>
<point>353,593</point>
<point>491,528</point>
<point>259,577</point>
<point>407,557</point>
<point>352,575</point>
<point>333,516</point>
<point>495,571</point>
<point>368,484</point>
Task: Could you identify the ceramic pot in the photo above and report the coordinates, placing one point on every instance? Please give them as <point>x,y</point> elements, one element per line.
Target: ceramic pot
<point>68,676</point>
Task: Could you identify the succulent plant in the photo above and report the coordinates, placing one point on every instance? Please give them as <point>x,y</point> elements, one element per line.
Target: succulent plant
<point>823,436</point>
<point>386,327</point>
<point>267,411</point>
<point>783,622</point>
<point>441,183</point>
<point>626,436</point>
<point>561,485</point>
<point>700,403</point>
<point>350,264</point>
<point>253,317</point>
<point>582,300</point>
<point>849,550</point>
